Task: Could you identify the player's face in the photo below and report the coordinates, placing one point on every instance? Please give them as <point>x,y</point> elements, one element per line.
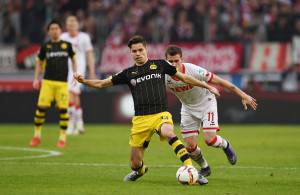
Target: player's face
<point>139,53</point>
<point>54,31</point>
<point>175,60</point>
<point>72,24</point>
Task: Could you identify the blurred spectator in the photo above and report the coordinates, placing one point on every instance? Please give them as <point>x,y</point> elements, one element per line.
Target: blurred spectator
<point>114,21</point>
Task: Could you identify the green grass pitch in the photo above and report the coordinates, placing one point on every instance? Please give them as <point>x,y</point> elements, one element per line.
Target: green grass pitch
<point>96,162</point>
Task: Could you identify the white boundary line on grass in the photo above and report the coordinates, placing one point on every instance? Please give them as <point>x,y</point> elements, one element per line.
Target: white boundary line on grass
<point>49,153</point>
<point>153,166</point>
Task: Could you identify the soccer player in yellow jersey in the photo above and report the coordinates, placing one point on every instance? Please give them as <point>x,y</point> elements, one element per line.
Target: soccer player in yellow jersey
<point>146,80</point>
<point>55,54</point>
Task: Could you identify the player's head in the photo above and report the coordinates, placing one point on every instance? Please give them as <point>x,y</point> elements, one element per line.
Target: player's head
<point>54,29</point>
<point>72,24</point>
<point>138,50</point>
<point>174,55</point>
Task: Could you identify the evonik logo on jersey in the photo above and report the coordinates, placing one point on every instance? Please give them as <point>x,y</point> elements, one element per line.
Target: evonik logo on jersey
<point>148,77</point>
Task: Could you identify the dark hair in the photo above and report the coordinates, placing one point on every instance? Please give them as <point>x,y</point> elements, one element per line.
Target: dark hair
<point>136,39</point>
<point>173,50</point>
<point>54,22</point>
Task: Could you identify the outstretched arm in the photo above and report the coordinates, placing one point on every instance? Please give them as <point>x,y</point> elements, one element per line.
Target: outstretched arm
<point>93,82</point>
<point>246,99</point>
<point>193,81</point>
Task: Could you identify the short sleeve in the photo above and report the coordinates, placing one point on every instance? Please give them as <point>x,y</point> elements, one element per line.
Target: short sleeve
<point>70,50</point>
<point>42,53</point>
<point>202,74</point>
<point>119,78</point>
<point>168,68</point>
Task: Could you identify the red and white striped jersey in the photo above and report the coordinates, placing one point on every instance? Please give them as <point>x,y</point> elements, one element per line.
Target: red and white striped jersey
<point>190,96</point>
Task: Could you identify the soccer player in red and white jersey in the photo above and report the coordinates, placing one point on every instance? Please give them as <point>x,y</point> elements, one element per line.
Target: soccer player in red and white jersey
<point>199,108</point>
<point>82,45</point>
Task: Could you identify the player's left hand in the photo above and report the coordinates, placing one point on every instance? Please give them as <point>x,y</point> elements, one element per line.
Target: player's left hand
<point>248,100</point>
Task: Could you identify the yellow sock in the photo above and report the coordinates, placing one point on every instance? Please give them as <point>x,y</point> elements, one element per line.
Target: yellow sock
<point>37,131</point>
<point>62,135</point>
<point>180,151</point>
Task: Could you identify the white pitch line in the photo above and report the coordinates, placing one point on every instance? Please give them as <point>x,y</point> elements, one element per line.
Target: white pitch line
<point>153,166</point>
<point>49,153</point>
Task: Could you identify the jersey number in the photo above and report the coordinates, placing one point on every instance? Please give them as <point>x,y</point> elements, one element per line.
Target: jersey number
<point>210,116</point>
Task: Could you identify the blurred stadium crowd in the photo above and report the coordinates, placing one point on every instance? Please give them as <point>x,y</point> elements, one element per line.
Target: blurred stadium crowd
<point>114,21</point>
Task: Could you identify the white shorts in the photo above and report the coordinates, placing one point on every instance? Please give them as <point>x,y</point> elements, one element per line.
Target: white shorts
<point>74,86</point>
<point>205,118</point>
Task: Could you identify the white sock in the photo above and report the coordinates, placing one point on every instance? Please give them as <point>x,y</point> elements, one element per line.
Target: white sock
<point>79,119</point>
<point>71,125</point>
<point>219,142</point>
<point>198,157</point>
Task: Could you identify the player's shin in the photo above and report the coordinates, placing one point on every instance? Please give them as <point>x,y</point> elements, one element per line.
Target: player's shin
<point>79,119</point>
<point>63,123</point>
<point>180,151</point>
<point>39,120</point>
<point>72,120</point>
<point>217,142</point>
<point>196,155</point>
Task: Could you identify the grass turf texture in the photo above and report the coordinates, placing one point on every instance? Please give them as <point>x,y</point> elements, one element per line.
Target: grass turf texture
<point>96,162</point>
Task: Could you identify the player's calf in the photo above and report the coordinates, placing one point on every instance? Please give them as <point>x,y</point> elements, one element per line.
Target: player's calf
<point>220,142</point>
<point>196,155</point>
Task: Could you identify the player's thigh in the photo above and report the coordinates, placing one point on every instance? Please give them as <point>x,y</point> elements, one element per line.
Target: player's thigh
<point>62,96</point>
<point>189,124</point>
<point>46,95</point>
<point>164,125</point>
<point>141,131</point>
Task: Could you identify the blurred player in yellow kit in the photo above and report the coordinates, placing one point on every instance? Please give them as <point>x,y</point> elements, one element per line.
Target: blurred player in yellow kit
<point>54,87</point>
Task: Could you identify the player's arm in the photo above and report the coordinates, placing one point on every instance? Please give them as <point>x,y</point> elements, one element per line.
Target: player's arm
<point>39,67</point>
<point>37,73</point>
<point>246,99</point>
<point>91,64</point>
<point>96,83</point>
<point>74,64</point>
<point>193,81</point>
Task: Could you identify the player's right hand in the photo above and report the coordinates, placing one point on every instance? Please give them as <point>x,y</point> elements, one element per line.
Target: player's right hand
<point>248,100</point>
<point>36,84</point>
<point>78,78</point>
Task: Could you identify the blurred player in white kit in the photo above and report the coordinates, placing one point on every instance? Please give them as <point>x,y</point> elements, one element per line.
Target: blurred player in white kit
<point>83,48</point>
<point>199,108</point>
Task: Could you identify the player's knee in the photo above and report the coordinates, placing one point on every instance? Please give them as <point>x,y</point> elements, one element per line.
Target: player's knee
<point>190,147</point>
<point>166,131</point>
